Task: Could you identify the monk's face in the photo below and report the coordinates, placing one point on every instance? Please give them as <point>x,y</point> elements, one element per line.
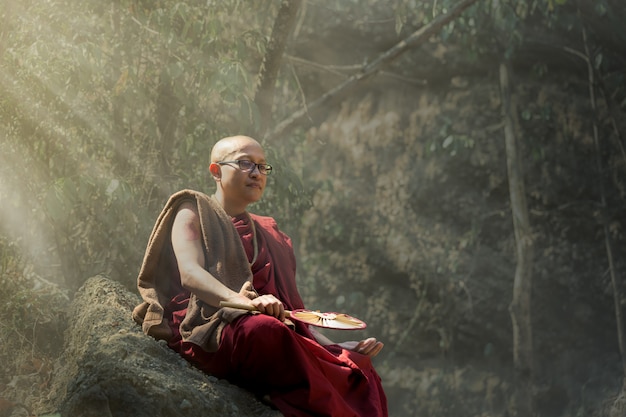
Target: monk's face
<point>239,187</point>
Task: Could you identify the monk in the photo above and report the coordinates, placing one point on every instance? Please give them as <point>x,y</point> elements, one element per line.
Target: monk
<point>205,250</point>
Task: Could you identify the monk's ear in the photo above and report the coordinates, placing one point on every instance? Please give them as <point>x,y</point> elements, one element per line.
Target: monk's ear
<point>215,171</point>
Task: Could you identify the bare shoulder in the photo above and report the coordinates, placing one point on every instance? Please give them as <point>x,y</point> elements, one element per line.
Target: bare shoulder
<point>187,221</point>
<point>187,208</point>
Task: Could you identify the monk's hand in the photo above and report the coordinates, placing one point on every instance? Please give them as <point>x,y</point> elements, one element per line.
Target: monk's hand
<point>248,291</point>
<point>270,305</point>
<point>369,347</point>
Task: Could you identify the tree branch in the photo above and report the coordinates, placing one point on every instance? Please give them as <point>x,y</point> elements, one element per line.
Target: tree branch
<point>340,70</point>
<point>415,39</point>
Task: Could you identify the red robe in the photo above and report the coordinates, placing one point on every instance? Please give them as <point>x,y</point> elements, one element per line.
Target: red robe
<point>262,354</point>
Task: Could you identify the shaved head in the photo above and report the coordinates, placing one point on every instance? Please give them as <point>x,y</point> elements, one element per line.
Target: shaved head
<point>237,188</point>
<point>227,147</point>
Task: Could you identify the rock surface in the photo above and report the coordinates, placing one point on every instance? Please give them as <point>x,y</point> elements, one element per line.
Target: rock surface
<point>110,368</point>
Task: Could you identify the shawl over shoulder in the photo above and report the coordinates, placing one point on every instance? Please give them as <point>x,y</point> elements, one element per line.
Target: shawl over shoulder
<point>225,259</point>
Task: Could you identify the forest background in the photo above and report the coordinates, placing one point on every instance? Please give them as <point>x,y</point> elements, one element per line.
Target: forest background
<point>452,172</point>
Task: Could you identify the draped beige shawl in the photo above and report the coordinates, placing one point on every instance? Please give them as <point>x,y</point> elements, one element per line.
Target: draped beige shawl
<point>225,259</point>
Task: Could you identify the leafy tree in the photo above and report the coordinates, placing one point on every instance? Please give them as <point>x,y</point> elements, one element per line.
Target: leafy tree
<point>101,103</point>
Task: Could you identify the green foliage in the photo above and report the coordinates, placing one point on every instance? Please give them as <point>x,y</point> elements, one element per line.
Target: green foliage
<point>112,107</point>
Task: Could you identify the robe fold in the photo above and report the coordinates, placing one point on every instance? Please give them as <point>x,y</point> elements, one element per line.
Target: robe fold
<point>264,355</point>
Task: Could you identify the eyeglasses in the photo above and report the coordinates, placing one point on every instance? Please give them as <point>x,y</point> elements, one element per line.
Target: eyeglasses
<point>249,166</point>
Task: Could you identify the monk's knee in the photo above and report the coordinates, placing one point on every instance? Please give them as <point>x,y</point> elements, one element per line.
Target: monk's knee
<point>263,331</point>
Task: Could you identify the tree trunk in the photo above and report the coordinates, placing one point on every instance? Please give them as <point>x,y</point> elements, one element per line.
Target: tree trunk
<point>591,78</point>
<point>264,96</point>
<point>519,309</point>
<point>167,108</point>
<point>121,162</point>
<point>603,203</point>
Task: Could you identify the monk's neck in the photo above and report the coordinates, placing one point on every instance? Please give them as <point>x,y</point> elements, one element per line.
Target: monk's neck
<point>233,209</point>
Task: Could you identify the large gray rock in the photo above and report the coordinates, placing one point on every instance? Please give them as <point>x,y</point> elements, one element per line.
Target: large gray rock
<point>110,368</point>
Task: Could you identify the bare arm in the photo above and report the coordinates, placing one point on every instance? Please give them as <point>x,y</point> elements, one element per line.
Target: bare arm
<point>186,242</point>
<point>187,245</point>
